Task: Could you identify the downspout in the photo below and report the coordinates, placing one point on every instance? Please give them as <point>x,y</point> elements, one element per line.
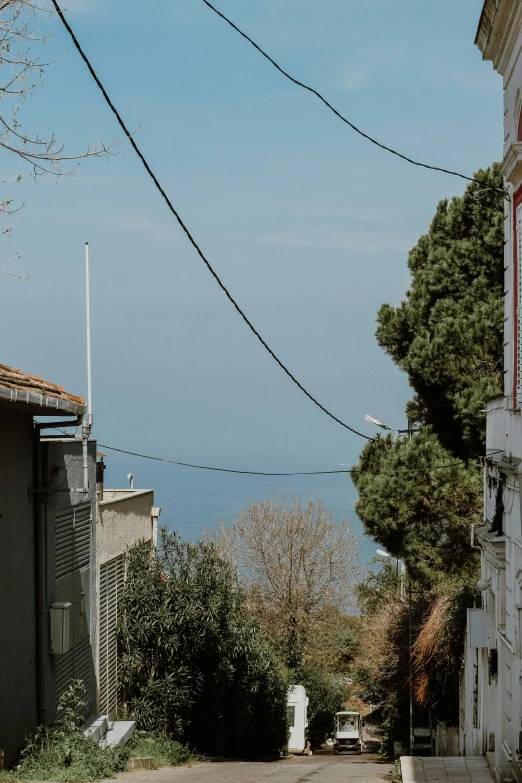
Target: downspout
<point>40,568</point>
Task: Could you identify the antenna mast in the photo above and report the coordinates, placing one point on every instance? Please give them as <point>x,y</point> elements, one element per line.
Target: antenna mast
<point>88,312</point>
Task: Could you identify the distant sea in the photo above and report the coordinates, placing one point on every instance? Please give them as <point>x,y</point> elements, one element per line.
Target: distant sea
<point>194,500</point>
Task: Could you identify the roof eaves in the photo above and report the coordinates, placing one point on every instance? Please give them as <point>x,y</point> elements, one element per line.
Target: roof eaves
<point>46,402</point>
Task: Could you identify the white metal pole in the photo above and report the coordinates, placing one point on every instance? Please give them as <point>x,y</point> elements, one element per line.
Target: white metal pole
<point>88,309</point>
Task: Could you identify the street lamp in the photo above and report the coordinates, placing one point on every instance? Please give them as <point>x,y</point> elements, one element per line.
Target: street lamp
<point>410,431</point>
<point>401,572</point>
<point>382,553</point>
<point>377,422</point>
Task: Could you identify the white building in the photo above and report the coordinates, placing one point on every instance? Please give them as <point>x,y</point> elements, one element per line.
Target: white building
<point>297,718</point>
<point>124,517</point>
<point>491,715</point>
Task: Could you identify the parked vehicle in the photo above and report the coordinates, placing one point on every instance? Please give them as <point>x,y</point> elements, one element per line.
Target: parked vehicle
<point>348,732</point>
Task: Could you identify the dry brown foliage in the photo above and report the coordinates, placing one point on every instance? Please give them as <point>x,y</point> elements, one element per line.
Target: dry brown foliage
<point>432,641</point>
<point>380,651</point>
<point>294,560</point>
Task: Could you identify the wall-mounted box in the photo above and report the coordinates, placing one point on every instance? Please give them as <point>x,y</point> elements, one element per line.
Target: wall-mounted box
<point>60,628</point>
<point>478,628</point>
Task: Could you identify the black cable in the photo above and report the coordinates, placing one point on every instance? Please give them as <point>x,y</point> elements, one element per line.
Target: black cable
<point>344,119</point>
<point>187,232</point>
<point>261,473</point>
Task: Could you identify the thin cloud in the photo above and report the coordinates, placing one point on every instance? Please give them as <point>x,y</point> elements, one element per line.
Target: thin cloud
<point>343,241</point>
<point>356,79</point>
<point>369,68</point>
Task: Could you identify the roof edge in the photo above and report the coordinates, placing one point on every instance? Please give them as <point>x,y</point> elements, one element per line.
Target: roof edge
<point>49,404</point>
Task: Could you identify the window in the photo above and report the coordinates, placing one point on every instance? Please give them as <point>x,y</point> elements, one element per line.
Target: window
<point>290,715</point>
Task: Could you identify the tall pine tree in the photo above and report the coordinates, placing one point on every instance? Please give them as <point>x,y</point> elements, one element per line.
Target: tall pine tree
<point>447,334</point>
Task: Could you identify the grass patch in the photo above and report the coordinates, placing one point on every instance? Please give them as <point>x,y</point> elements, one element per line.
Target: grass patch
<point>66,759</point>
<point>395,772</point>
<point>63,754</point>
<point>164,752</point>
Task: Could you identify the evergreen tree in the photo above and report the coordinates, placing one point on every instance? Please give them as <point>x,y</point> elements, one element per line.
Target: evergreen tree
<point>447,334</point>
<point>419,501</point>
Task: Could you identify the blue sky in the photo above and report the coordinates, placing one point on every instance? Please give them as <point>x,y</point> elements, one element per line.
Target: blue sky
<point>307,224</point>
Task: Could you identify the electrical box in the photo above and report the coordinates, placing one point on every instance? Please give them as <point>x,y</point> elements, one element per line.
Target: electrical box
<point>60,628</point>
<point>478,628</point>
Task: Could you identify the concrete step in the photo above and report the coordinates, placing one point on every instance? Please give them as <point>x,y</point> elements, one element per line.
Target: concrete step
<point>120,732</point>
<point>109,732</point>
<point>96,726</point>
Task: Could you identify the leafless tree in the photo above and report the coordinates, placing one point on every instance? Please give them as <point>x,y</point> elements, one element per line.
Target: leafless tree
<point>295,561</point>
<point>21,71</point>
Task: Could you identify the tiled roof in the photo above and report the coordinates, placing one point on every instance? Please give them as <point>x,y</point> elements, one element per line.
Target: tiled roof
<point>14,378</point>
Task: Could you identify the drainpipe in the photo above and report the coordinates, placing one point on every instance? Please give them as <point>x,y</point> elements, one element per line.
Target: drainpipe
<point>40,569</point>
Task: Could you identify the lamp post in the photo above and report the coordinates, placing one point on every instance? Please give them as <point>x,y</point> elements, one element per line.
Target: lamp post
<point>401,570</point>
<point>409,432</point>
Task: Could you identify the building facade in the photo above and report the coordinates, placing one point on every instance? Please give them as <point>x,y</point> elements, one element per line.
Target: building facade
<point>47,508</point>
<point>63,541</point>
<point>491,712</point>
<point>124,517</point>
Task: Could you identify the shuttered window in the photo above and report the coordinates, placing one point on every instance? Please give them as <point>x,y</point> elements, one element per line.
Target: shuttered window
<point>72,570</point>
<point>112,577</point>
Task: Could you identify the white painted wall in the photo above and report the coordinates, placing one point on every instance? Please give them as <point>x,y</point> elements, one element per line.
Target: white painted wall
<point>491,718</point>
<point>298,700</point>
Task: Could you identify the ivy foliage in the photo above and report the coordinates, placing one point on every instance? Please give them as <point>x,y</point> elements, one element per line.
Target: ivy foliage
<point>447,334</point>
<point>194,666</point>
<point>418,501</point>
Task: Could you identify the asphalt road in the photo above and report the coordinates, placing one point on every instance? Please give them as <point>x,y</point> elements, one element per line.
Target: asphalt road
<point>320,768</point>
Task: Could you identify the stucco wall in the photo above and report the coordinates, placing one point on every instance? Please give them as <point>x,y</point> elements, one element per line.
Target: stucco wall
<point>17,610</point>
<point>124,517</point>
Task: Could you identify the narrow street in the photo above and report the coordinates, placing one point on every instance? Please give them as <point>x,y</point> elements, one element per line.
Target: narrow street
<point>321,768</point>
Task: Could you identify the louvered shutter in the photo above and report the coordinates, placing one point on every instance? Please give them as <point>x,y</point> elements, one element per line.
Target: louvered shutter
<point>518,313</point>
<point>112,576</point>
<point>72,565</point>
<point>64,543</point>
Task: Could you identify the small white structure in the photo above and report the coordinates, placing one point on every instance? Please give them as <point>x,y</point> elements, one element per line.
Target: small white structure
<point>297,718</point>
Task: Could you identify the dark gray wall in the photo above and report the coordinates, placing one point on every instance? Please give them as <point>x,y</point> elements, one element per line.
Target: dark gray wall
<point>17,611</point>
<point>63,470</point>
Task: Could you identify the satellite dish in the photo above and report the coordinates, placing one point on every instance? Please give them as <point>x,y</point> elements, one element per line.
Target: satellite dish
<point>377,422</point>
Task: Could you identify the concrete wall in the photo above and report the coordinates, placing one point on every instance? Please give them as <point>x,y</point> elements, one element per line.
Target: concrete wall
<point>124,517</point>
<point>17,609</point>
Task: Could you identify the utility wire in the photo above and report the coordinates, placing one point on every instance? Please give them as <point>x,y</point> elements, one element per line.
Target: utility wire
<point>261,473</point>
<point>187,232</point>
<point>344,119</point>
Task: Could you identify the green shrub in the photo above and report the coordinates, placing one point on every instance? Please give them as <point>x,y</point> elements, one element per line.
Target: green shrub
<point>194,666</point>
<point>63,753</point>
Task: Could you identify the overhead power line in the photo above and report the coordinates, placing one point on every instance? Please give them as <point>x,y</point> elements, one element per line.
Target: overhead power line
<point>263,473</point>
<point>342,117</point>
<point>187,232</point>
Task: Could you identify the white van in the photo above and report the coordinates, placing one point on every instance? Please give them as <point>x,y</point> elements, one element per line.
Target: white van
<point>348,732</point>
